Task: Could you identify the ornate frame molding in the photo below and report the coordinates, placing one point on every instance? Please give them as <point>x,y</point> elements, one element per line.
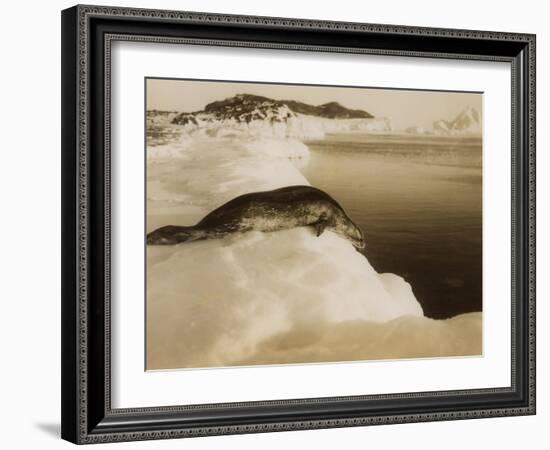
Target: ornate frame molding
<point>80,424</point>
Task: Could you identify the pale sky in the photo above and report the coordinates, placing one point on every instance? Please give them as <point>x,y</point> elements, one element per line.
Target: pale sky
<point>405,107</point>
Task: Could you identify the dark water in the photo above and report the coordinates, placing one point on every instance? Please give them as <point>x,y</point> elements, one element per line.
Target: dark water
<point>418,202</point>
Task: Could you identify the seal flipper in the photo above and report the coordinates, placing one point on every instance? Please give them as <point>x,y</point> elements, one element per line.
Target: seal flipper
<point>321,224</point>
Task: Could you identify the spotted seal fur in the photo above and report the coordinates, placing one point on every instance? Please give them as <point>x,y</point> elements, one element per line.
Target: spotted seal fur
<point>268,211</point>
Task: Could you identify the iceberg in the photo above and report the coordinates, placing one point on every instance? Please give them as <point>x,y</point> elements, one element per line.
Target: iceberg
<point>467,123</point>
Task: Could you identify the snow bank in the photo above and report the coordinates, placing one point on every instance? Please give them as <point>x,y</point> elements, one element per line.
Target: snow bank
<point>404,337</point>
<point>196,174</point>
<point>237,292</point>
<point>174,150</point>
<point>268,298</point>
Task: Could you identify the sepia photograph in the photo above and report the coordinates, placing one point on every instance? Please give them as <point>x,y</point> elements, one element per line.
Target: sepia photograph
<point>299,224</point>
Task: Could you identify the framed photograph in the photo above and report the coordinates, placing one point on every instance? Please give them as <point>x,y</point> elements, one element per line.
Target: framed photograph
<point>280,224</point>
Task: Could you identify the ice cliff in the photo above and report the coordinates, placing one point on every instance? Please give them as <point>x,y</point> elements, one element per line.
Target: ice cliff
<point>256,115</point>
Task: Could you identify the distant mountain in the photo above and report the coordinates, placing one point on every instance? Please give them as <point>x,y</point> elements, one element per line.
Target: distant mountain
<point>468,122</point>
<point>245,108</point>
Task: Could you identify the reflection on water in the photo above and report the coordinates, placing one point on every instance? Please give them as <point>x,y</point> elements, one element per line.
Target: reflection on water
<point>418,201</point>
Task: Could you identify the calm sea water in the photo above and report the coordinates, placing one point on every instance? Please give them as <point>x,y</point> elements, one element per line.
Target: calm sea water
<point>418,201</point>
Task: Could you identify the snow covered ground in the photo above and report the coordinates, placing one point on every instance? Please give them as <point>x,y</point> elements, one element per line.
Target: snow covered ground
<point>269,298</point>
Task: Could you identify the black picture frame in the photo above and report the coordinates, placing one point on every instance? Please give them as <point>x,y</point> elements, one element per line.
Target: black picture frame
<point>87,33</point>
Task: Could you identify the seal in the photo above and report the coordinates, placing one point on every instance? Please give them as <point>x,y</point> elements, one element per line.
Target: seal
<point>267,211</point>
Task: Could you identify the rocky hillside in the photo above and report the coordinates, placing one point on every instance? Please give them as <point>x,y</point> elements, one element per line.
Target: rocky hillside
<point>258,115</point>
<point>245,108</point>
